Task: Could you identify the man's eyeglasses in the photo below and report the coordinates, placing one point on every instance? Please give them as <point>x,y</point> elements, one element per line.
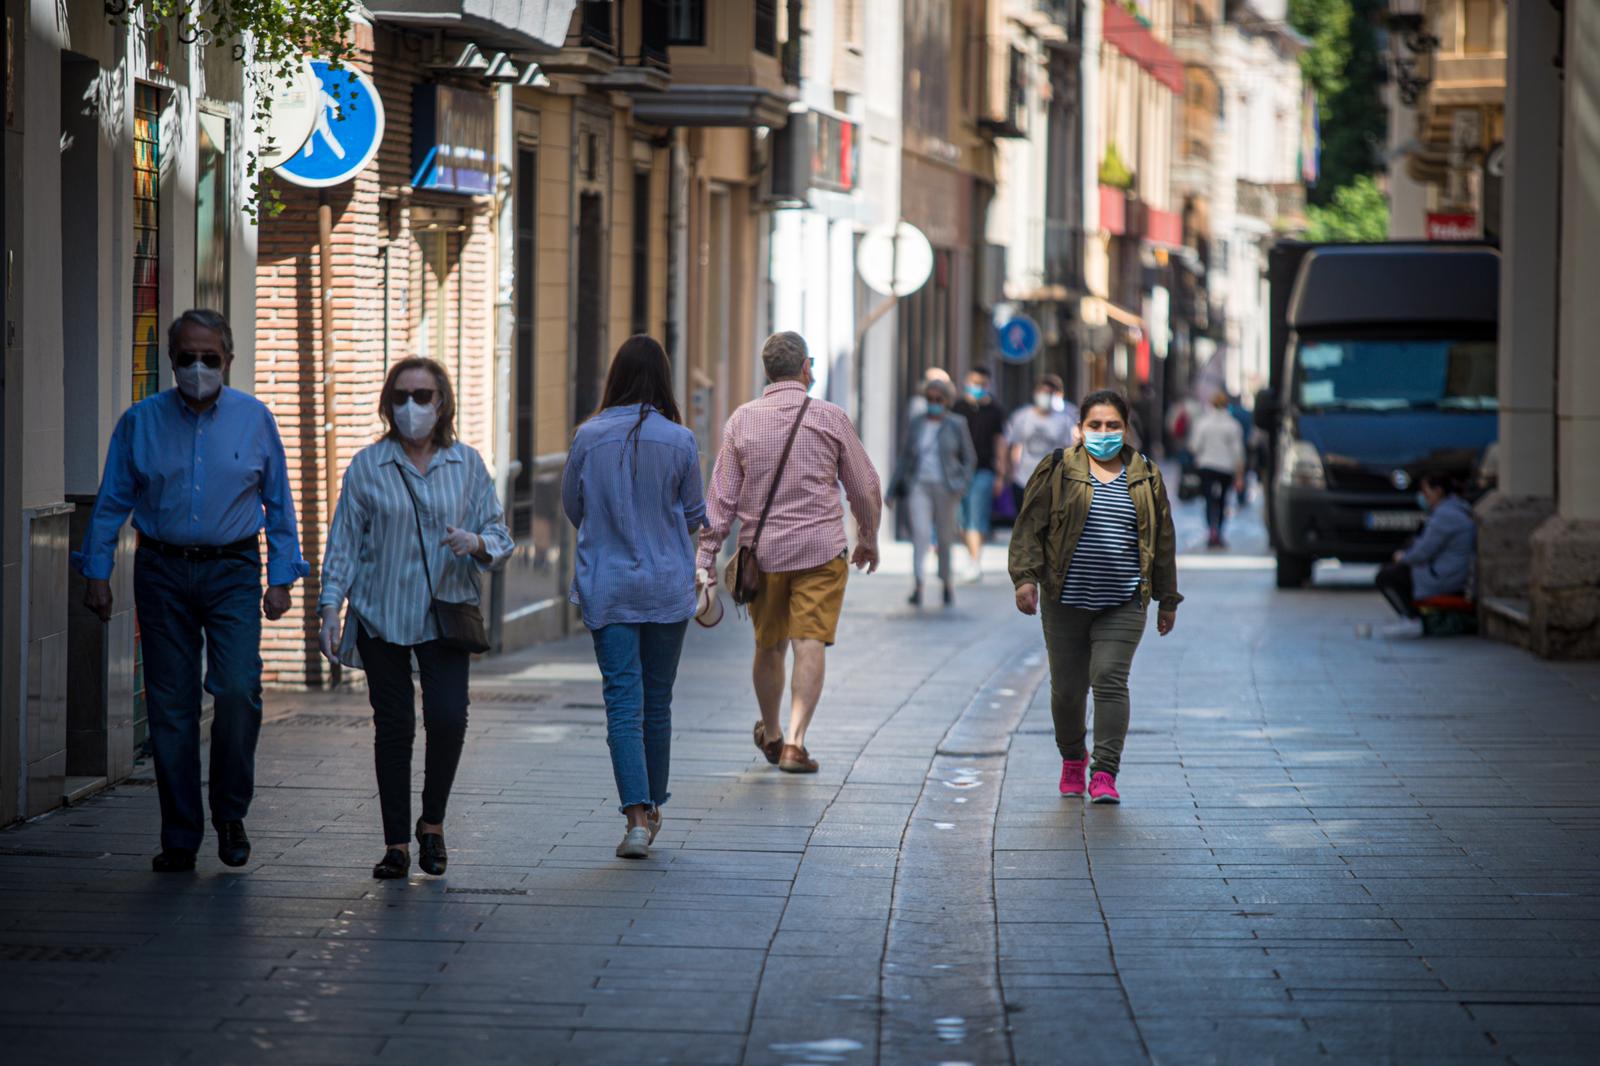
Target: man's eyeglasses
<point>182,360</point>
<point>424,397</point>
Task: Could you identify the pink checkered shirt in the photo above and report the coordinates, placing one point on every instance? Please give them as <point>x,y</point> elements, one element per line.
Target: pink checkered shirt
<point>806,525</point>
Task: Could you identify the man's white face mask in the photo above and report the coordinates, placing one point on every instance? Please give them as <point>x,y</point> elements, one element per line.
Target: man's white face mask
<point>198,381</point>
<point>414,421</point>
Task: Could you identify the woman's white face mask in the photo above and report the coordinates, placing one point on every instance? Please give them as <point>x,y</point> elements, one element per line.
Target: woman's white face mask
<point>414,421</point>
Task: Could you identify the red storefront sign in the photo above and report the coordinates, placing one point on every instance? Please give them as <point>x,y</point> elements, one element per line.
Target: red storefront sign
<point>1113,210</point>
<point>1163,227</point>
<point>1460,227</point>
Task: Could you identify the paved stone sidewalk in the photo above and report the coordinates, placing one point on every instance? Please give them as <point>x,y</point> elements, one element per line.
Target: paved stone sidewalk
<point>1334,848</point>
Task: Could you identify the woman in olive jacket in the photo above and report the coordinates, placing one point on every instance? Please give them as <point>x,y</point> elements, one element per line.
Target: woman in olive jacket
<point>1094,533</point>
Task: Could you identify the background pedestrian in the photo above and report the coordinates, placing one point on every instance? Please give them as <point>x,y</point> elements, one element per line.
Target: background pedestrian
<point>986,422</point>
<point>632,489</point>
<point>803,548</point>
<point>1219,456</point>
<point>1037,430</point>
<point>201,468</point>
<point>932,473</point>
<point>418,519</point>
<point>1095,534</point>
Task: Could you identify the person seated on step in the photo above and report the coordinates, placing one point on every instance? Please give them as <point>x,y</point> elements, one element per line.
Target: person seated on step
<point>1439,561</point>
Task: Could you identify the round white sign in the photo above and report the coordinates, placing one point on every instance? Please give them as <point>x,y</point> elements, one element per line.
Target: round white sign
<point>895,259</point>
<point>296,102</point>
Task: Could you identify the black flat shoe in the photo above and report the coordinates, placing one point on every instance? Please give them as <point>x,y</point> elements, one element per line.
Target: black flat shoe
<point>949,595</point>
<point>431,855</point>
<point>233,847</point>
<point>173,861</point>
<point>395,865</point>
<point>915,599</point>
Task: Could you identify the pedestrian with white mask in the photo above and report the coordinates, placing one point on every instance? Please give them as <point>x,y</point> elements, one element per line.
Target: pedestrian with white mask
<point>418,520</point>
<point>201,469</point>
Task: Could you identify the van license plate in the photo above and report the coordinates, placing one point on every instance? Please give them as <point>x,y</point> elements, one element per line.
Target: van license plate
<point>1394,521</point>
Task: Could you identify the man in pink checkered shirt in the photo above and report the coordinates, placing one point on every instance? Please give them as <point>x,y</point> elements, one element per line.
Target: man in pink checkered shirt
<point>803,547</point>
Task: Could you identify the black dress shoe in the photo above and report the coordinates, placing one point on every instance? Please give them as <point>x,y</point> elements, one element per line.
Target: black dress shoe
<point>395,865</point>
<point>431,855</point>
<point>173,861</point>
<point>233,847</point>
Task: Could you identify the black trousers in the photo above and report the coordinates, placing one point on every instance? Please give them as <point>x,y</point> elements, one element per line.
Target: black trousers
<point>1215,483</point>
<point>394,720</point>
<point>1394,581</point>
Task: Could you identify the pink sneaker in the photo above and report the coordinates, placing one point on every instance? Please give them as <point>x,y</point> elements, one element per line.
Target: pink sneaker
<point>1103,788</point>
<point>1072,775</point>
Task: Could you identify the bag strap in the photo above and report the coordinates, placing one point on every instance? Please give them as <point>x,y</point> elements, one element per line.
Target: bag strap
<point>1056,458</point>
<point>416,513</point>
<point>777,475</point>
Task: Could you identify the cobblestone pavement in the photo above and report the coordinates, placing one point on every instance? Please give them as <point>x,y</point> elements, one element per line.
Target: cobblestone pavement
<point>1333,848</point>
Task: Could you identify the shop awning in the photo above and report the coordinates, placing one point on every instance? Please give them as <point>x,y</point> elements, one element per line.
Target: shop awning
<point>1124,32</point>
<point>514,25</point>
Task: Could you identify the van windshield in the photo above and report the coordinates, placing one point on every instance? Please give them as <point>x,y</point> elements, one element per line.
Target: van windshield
<point>1385,374</point>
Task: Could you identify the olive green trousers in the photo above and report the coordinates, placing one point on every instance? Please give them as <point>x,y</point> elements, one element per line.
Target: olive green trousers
<point>1091,650</point>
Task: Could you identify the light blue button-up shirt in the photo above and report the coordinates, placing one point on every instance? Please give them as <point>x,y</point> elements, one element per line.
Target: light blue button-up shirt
<point>208,479</point>
<point>375,557</point>
<point>635,510</point>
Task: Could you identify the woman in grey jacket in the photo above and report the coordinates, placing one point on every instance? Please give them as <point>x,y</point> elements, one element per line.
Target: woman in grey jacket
<point>1439,561</point>
<point>931,475</point>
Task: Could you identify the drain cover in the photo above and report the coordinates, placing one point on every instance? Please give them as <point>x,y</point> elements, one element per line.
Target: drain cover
<point>486,892</point>
<point>505,696</point>
<point>58,953</point>
<point>315,720</point>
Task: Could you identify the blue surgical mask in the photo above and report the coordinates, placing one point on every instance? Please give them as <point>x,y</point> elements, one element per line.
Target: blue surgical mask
<point>977,392</point>
<point>935,408</point>
<point>1422,502</point>
<point>1103,445</point>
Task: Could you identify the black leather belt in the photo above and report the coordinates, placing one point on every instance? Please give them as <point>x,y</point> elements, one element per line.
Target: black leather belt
<point>248,549</point>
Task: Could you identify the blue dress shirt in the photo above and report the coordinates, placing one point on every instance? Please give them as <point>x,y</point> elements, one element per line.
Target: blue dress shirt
<point>207,479</point>
<point>635,511</point>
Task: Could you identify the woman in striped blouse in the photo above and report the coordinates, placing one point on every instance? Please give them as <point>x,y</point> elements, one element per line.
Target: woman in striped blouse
<point>1095,533</point>
<point>418,519</point>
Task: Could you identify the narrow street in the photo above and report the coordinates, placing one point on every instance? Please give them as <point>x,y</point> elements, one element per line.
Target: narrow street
<point>1332,847</point>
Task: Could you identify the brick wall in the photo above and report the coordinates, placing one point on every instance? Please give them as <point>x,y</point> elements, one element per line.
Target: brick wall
<point>372,218</point>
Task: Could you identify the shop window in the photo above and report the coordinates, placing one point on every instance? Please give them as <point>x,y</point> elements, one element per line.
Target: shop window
<point>212,216</point>
<point>146,241</point>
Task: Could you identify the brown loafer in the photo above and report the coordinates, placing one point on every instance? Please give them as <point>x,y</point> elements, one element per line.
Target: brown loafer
<point>772,749</point>
<point>796,760</point>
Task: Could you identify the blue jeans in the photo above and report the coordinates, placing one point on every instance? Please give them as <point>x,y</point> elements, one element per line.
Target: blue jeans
<point>977,506</point>
<point>177,603</point>
<point>639,664</point>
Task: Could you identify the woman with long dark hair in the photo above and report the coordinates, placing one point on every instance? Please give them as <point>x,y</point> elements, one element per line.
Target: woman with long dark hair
<point>632,488</point>
<point>1093,545</point>
<point>418,519</point>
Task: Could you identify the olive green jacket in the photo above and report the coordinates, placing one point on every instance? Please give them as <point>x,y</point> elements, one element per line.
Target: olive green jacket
<point>1052,515</point>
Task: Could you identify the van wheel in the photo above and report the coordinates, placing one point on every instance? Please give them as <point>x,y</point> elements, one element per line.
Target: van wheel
<point>1294,571</point>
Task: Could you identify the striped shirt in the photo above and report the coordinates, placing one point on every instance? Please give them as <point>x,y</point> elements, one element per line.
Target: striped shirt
<point>373,557</point>
<point>805,528</point>
<point>1104,571</point>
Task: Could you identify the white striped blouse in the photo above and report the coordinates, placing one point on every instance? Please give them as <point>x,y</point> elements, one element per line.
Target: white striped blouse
<point>1104,571</point>
<point>373,556</point>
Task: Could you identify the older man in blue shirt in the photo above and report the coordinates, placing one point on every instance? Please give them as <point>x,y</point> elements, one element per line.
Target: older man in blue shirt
<point>202,470</point>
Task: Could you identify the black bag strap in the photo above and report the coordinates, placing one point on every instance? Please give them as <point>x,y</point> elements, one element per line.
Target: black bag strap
<point>416,513</point>
<point>777,475</point>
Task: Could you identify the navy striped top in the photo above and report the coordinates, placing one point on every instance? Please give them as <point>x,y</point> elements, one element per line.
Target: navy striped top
<point>1104,571</point>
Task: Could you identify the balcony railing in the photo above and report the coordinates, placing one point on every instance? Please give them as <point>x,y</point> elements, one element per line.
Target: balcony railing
<point>655,27</point>
<point>1063,254</point>
<point>1275,203</point>
<point>596,29</point>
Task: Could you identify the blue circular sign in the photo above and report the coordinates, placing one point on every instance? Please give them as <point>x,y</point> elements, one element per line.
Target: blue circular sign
<point>1018,339</point>
<point>347,132</point>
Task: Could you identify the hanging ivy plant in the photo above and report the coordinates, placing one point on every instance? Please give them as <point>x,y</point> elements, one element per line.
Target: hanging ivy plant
<point>269,37</point>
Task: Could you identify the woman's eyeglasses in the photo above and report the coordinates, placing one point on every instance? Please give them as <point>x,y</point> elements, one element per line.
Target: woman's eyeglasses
<point>183,360</point>
<point>424,397</point>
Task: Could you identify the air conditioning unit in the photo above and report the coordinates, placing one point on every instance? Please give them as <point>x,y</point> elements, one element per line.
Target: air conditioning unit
<point>787,175</point>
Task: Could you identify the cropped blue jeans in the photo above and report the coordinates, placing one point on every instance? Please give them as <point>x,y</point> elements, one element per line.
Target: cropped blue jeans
<point>639,663</point>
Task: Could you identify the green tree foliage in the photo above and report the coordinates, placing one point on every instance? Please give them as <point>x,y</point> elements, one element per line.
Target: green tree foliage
<point>269,36</point>
<point>1359,212</point>
<point>1344,67</point>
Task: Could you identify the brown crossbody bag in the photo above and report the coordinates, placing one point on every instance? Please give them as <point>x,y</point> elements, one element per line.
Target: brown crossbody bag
<point>743,575</point>
<point>460,624</point>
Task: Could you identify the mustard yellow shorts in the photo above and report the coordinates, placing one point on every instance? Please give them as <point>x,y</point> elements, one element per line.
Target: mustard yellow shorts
<point>800,604</point>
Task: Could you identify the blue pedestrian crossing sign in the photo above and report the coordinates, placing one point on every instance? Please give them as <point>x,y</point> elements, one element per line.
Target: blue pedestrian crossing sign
<point>1017,338</point>
<point>347,132</point>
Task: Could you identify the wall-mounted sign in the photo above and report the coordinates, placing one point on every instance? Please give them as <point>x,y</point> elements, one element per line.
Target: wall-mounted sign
<point>1456,227</point>
<point>835,153</point>
<point>452,140</point>
<point>895,259</point>
<point>346,133</point>
<point>296,105</point>
<point>1017,339</point>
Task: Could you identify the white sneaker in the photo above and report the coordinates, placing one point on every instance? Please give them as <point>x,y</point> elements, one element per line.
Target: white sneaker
<point>972,573</point>
<point>635,844</point>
